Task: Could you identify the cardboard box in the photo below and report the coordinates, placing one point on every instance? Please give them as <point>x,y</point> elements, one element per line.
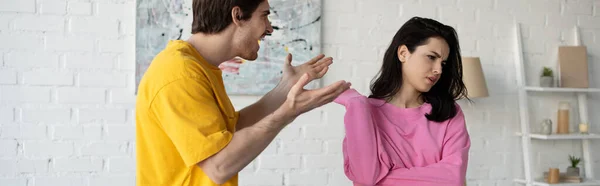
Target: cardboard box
<point>573,67</point>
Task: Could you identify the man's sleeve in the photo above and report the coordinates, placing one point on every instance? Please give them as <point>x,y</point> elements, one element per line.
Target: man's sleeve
<point>190,116</point>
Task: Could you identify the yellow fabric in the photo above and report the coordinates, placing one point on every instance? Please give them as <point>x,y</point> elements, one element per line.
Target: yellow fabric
<point>183,116</point>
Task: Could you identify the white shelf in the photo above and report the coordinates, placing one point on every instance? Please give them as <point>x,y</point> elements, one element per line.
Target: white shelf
<point>584,183</point>
<point>560,89</point>
<point>573,136</point>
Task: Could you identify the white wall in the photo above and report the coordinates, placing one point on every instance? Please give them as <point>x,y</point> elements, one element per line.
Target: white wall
<point>66,87</point>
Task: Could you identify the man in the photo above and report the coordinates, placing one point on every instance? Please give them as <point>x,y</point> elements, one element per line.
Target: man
<point>187,131</point>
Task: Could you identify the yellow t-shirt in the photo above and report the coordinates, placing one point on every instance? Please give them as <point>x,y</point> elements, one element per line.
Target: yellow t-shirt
<point>183,116</point>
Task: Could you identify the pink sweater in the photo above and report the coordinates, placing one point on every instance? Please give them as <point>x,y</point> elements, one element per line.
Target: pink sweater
<point>386,145</point>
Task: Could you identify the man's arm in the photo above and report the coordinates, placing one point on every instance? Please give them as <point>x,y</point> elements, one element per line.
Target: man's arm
<point>250,141</point>
<point>316,67</point>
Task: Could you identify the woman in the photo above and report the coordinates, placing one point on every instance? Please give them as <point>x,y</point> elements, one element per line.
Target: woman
<point>410,131</point>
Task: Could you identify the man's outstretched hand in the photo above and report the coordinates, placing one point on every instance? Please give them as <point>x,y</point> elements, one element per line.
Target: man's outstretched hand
<point>300,100</point>
<point>316,68</point>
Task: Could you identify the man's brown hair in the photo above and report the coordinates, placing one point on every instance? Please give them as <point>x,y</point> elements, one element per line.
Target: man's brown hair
<point>212,16</point>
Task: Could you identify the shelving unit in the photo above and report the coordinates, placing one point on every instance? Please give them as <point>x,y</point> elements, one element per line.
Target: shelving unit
<point>527,136</point>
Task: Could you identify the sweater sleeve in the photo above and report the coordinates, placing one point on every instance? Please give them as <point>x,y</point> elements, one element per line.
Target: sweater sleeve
<point>449,171</point>
<point>365,161</point>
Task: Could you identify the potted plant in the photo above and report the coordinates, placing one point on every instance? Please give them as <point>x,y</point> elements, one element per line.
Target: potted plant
<point>573,170</point>
<point>547,78</point>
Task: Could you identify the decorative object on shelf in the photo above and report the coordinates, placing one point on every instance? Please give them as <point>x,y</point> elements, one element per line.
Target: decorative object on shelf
<point>583,128</point>
<point>573,67</point>
<point>546,127</point>
<point>562,125</point>
<point>474,78</point>
<point>547,78</point>
<point>573,170</point>
<point>553,175</point>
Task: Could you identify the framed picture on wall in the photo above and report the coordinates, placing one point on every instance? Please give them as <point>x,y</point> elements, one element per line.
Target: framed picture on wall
<point>297,30</point>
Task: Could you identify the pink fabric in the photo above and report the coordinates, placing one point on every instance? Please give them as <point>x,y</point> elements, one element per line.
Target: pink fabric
<point>387,145</point>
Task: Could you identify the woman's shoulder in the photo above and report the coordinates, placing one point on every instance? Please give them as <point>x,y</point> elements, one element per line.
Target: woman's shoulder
<point>353,97</point>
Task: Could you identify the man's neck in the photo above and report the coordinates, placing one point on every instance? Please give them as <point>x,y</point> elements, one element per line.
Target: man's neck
<point>407,97</point>
<point>214,48</point>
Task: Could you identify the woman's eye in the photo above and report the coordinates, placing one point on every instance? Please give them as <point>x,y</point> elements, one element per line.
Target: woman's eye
<point>431,57</point>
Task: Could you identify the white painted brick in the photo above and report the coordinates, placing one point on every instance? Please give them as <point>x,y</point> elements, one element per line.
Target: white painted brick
<point>31,166</point>
<point>33,133</point>
<point>339,6</point>
<point>13,181</point>
<point>334,146</point>
<point>81,95</point>
<point>25,94</point>
<point>26,42</point>
<point>8,77</point>
<point>324,161</point>
<point>101,79</point>
<point>79,8</point>
<point>90,61</point>
<point>104,149</point>
<point>7,115</point>
<point>114,10</point>
<point>126,62</point>
<point>366,70</point>
<point>302,147</point>
<point>69,43</point>
<point>271,148</point>
<point>119,132</point>
<point>561,21</point>
<point>339,178</point>
<point>308,178</point>
<point>9,147</point>
<point>9,166</point>
<point>291,132</point>
<point>324,132</point>
<point>113,45</point>
<point>113,180</point>
<point>387,9</point>
<point>279,162</point>
<point>10,132</point>
<point>549,7</point>
<point>78,132</point>
<point>531,19</point>
<point>57,7</point>
<point>60,180</point>
<point>452,14</point>
<point>46,115</point>
<point>22,6</point>
<point>262,178</point>
<point>122,96</point>
<point>312,117</point>
<point>127,26</point>
<point>5,20</point>
<point>48,148</point>
<point>412,10</point>
<point>108,115</point>
<point>494,16</point>
<point>42,23</point>
<point>29,59</point>
<point>77,165</point>
<point>98,26</point>
<point>589,22</point>
<point>48,78</point>
<point>124,164</point>
<point>578,7</point>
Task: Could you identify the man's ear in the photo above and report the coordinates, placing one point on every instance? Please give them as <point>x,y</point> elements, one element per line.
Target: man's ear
<point>236,15</point>
<point>403,53</point>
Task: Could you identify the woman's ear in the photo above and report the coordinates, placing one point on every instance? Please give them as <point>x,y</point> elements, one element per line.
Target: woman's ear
<point>403,53</point>
<point>236,15</point>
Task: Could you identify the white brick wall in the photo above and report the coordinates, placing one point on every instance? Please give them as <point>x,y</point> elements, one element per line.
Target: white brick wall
<point>66,84</point>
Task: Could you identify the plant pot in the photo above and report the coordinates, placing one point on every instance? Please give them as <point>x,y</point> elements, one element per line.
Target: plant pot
<point>573,171</point>
<point>546,81</point>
